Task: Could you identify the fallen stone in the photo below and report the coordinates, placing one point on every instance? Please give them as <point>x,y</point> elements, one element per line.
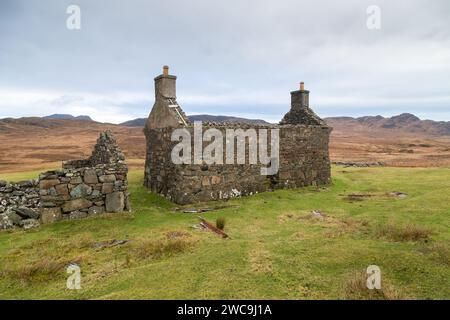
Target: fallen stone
<point>109,244</point>
<point>3,183</point>
<point>115,202</point>
<point>398,194</point>
<point>318,215</point>
<point>76,204</point>
<point>26,213</point>
<point>198,226</point>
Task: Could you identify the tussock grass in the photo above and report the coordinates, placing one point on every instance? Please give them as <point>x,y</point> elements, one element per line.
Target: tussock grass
<point>438,252</point>
<point>356,289</point>
<point>156,249</point>
<point>277,250</point>
<point>260,262</point>
<point>403,233</point>
<point>220,223</point>
<point>44,269</point>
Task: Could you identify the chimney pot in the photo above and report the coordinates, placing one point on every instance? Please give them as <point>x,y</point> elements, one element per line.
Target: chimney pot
<point>302,85</point>
<point>166,70</point>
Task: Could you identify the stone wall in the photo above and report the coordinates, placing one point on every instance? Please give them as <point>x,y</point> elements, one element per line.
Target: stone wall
<point>19,203</point>
<point>304,161</point>
<point>81,192</point>
<point>82,188</point>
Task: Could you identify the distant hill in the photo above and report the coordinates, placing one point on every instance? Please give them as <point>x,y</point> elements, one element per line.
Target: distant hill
<point>33,143</point>
<point>67,117</point>
<point>404,123</point>
<point>140,122</point>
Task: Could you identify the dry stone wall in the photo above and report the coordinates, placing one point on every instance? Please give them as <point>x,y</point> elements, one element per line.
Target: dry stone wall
<point>81,192</point>
<point>19,203</point>
<point>82,188</point>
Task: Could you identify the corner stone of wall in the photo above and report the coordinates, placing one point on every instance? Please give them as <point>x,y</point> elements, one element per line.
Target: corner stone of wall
<point>82,188</point>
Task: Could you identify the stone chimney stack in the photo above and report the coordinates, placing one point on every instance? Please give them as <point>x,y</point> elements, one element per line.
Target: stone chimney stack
<point>300,98</point>
<point>300,112</point>
<point>165,85</point>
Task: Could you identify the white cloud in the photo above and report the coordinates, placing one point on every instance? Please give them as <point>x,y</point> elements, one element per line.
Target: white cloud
<point>228,55</point>
<point>100,107</point>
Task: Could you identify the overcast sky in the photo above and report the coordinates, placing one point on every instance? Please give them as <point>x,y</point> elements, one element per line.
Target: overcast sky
<point>233,57</point>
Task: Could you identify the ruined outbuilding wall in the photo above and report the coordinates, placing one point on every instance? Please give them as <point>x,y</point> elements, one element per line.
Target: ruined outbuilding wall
<point>81,192</point>
<point>82,188</point>
<point>304,161</point>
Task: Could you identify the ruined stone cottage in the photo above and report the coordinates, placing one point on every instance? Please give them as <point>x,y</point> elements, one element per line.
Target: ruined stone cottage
<point>303,152</point>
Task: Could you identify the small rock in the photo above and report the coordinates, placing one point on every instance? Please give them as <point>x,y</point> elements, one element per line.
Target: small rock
<point>108,244</point>
<point>30,223</point>
<point>76,180</point>
<point>115,202</point>
<point>80,191</point>
<point>95,194</point>
<point>107,178</point>
<point>52,191</point>
<point>96,210</point>
<point>26,213</point>
<point>90,176</point>
<point>26,184</point>
<point>317,214</point>
<point>47,184</point>
<point>401,195</point>
<point>77,215</point>
<point>107,188</point>
<point>50,215</point>
<point>62,189</point>
<point>198,226</point>
<point>5,222</point>
<point>76,204</point>
<point>15,218</point>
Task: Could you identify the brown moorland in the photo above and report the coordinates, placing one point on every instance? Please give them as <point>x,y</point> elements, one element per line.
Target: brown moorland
<point>35,143</point>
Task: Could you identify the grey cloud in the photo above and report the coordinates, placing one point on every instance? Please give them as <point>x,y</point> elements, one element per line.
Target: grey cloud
<point>232,49</point>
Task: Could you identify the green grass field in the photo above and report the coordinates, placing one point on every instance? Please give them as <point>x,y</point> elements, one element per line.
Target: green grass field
<point>276,250</point>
